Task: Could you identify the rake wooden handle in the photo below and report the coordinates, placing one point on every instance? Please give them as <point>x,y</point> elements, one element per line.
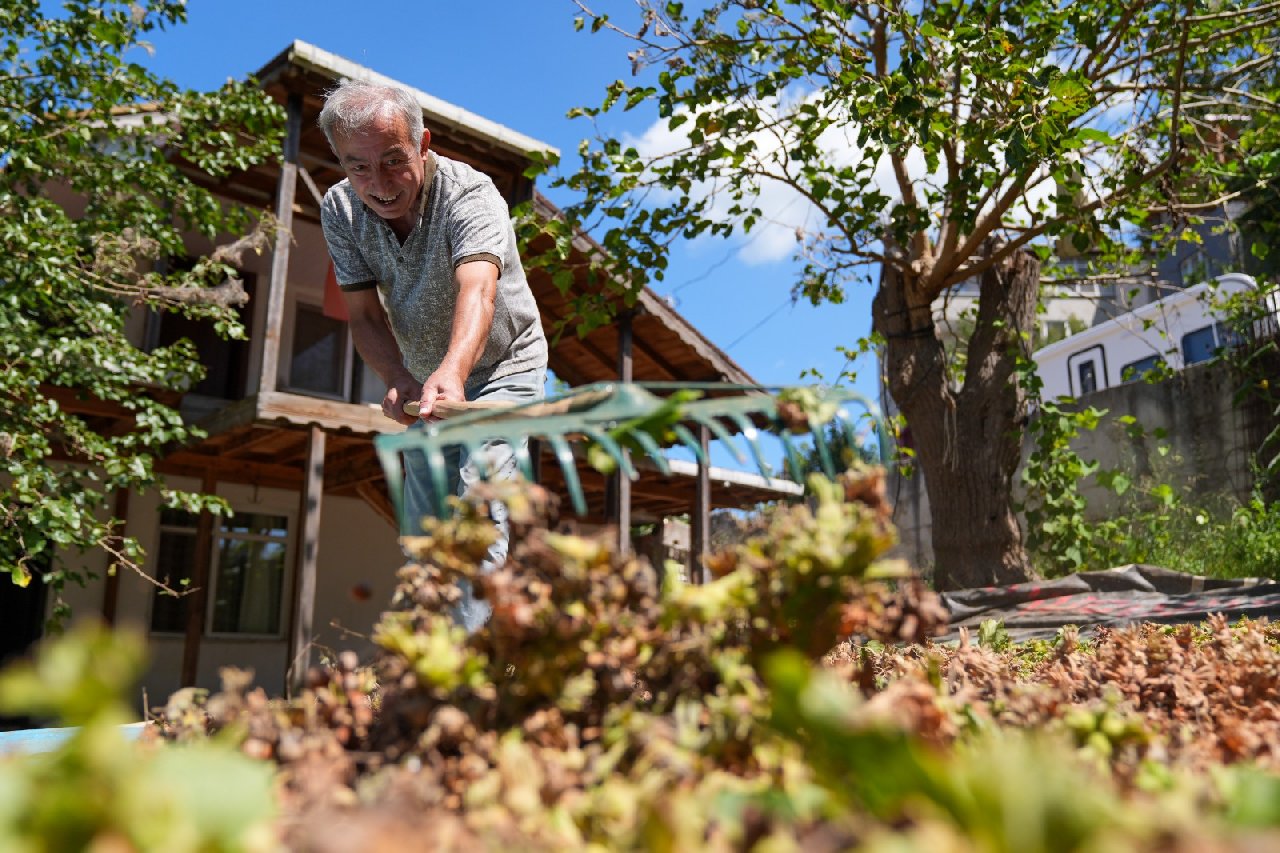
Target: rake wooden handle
<point>453,408</point>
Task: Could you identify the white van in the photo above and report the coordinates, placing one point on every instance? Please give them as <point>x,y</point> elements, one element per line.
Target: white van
<point>1178,330</point>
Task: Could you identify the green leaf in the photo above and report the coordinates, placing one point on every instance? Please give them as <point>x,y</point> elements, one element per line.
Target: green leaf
<point>224,794</point>
<point>1092,134</point>
<point>563,280</point>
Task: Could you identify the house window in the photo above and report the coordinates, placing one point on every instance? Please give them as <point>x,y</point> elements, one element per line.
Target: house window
<point>226,362</point>
<point>247,576</point>
<point>1195,267</point>
<point>324,361</point>
<point>175,555</point>
<point>1054,331</point>
<point>1135,370</point>
<point>1088,377</point>
<point>1229,337</point>
<point>321,353</point>
<point>1199,345</point>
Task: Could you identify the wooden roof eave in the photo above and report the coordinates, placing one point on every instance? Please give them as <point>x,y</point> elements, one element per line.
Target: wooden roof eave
<point>261,441</point>
<point>460,123</point>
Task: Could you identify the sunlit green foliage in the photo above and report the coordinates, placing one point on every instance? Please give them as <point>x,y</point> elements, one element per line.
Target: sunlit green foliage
<point>92,194</point>
<point>99,791</point>
<point>923,145</point>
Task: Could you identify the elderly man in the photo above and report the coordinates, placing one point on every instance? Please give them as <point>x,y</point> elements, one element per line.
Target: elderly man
<point>424,252</point>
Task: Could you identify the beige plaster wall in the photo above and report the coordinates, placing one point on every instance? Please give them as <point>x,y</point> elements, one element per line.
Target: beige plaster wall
<point>359,557</point>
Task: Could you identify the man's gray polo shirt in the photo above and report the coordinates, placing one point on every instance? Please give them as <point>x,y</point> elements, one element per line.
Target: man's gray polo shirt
<point>463,218</point>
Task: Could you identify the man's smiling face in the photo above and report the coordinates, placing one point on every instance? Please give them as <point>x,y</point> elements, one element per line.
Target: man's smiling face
<point>386,169</point>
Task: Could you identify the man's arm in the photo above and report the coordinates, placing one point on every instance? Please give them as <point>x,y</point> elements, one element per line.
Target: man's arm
<point>472,321</point>
<point>377,346</point>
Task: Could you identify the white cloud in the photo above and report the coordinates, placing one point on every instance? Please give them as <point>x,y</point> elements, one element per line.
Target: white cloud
<point>786,212</point>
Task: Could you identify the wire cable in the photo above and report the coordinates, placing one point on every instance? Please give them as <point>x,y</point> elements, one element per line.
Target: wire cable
<point>766,319</point>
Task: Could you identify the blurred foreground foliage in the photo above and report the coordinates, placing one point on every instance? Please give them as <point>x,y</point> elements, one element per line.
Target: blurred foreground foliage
<point>795,702</point>
<point>101,792</point>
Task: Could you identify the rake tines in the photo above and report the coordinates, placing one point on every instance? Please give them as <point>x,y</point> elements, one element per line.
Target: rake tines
<point>615,421</point>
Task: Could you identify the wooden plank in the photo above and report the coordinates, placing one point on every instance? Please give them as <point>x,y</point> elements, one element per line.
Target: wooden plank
<point>311,185</point>
<point>241,413</point>
<point>348,469</point>
<point>673,373</point>
<point>306,562</point>
<point>330,414</point>
<point>78,403</point>
<point>232,470</point>
<point>258,439</point>
<point>198,594</point>
<point>286,192</point>
<point>452,408</point>
<point>600,357</point>
<point>622,483</point>
<point>701,514</point>
<point>282,446</point>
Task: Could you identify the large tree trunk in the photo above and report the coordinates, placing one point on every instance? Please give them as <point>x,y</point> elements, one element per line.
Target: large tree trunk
<point>968,442</point>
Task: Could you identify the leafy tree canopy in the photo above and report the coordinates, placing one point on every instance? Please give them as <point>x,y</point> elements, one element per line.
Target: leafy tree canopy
<point>930,143</point>
<point>92,193</point>
<point>918,130</point>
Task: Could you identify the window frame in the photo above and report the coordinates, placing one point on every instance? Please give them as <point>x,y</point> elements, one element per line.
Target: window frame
<point>353,366</point>
<point>1092,369</point>
<point>1101,377</point>
<point>215,546</point>
<point>1212,331</point>
<point>161,529</point>
<point>1156,362</point>
<point>286,577</point>
<point>349,354</point>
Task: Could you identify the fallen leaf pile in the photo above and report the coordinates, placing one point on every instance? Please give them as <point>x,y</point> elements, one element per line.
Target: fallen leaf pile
<point>605,706</point>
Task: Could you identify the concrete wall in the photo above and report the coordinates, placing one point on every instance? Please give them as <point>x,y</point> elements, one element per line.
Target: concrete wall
<point>1207,446</point>
<point>1210,442</point>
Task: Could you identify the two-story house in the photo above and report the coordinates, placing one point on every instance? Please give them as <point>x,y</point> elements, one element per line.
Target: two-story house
<point>308,560</point>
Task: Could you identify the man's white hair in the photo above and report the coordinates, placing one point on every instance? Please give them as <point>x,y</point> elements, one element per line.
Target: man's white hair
<point>353,105</point>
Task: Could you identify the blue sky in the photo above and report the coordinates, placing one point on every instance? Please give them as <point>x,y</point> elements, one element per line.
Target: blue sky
<point>520,63</point>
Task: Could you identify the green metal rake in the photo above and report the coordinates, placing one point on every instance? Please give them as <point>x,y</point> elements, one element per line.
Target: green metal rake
<point>617,419</point>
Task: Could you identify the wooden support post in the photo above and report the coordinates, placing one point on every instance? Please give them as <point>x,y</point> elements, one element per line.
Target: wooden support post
<point>700,535</point>
<point>620,482</point>
<point>305,562</point>
<point>111,586</point>
<point>286,191</point>
<point>198,597</point>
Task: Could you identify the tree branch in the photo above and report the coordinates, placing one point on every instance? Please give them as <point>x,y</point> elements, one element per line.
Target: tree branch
<point>1009,248</point>
<point>1113,42</point>
<point>983,228</point>
<point>1234,13</point>
<point>1250,96</point>
<point>1175,134</point>
<point>1192,44</point>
